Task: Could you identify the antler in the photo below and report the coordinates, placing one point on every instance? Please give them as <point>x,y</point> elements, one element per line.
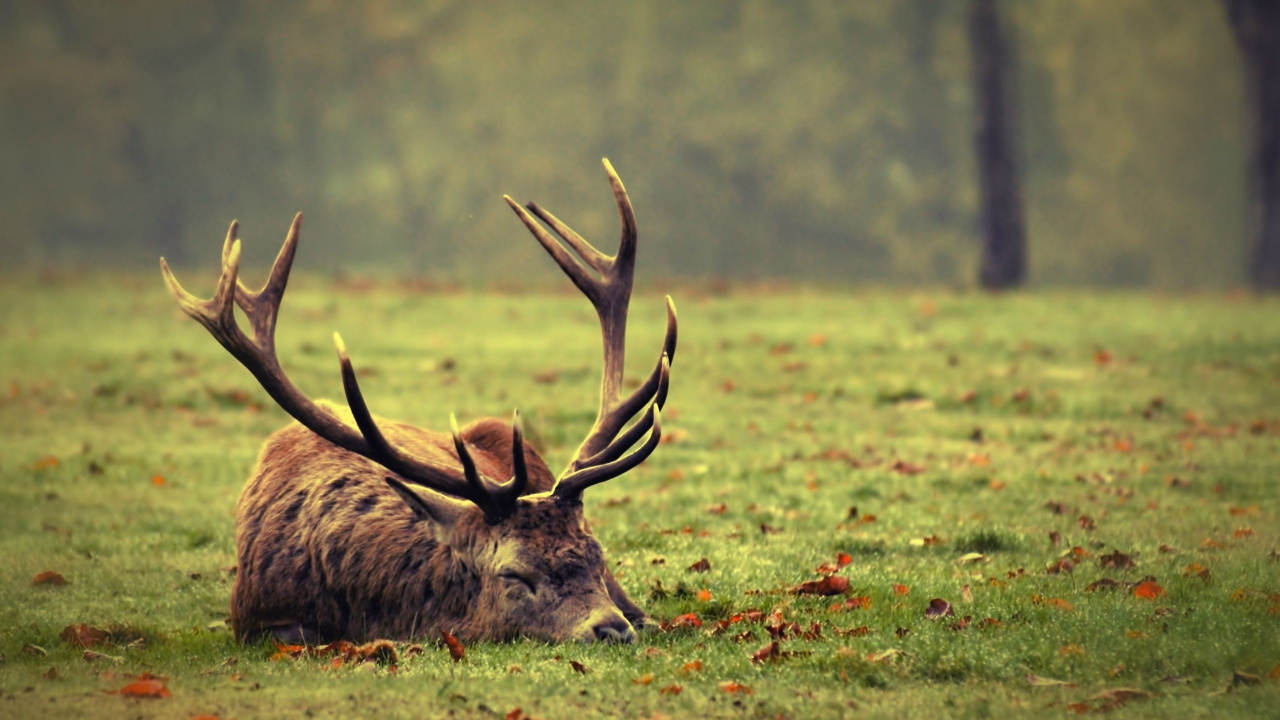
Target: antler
<point>601,455</point>
<point>258,354</point>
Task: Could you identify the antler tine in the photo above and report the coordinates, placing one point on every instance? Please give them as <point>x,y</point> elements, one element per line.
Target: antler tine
<point>570,486</point>
<point>610,423</point>
<point>520,472</point>
<point>384,453</point>
<point>483,498</point>
<point>258,355</point>
<point>614,449</point>
<point>262,307</point>
<point>610,294</point>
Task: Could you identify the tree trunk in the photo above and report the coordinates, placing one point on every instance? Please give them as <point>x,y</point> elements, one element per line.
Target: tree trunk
<point>1004,254</point>
<point>1256,24</point>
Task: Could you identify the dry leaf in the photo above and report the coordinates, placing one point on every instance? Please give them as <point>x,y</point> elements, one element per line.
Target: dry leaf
<point>456,651</point>
<point>83,636</point>
<point>702,565</point>
<point>829,585</point>
<point>938,608</point>
<point>1037,681</point>
<point>49,577</point>
<point>144,688</point>
<point>1148,590</point>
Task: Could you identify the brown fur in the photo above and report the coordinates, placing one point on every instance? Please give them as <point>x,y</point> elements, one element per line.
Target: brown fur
<point>328,550</point>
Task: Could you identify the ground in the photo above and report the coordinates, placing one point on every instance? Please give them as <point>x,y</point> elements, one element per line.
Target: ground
<point>1024,461</point>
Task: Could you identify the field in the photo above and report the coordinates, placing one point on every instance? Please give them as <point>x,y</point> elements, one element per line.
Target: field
<point>1087,482</point>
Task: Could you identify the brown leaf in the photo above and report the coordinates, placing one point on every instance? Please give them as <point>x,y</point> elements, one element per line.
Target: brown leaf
<point>579,667</point>
<point>829,585</point>
<point>49,577</point>
<point>938,608</point>
<point>84,636</point>
<point>903,467</point>
<point>671,690</point>
<point>456,650</point>
<point>701,566</point>
<point>719,509</point>
<point>1117,560</point>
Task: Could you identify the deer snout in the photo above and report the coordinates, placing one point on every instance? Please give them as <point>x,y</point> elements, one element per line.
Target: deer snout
<point>610,626</point>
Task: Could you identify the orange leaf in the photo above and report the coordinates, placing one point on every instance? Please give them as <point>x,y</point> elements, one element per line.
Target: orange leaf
<point>1148,590</point>
<point>688,620</point>
<point>900,589</point>
<point>157,480</point>
<point>1275,672</point>
<point>456,650</point>
<point>148,688</point>
<point>733,687</point>
<point>645,679</point>
<point>817,340</point>
<point>692,666</point>
<point>1251,510</point>
<point>48,577</point>
<point>704,595</point>
<point>829,585</point>
<point>843,559</point>
<point>1243,532</point>
<point>671,690</point>
<point>45,463</point>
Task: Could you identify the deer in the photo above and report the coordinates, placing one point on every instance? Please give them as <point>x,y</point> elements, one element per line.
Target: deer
<point>356,527</point>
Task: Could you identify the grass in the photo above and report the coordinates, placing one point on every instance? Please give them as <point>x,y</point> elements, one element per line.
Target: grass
<point>956,425</point>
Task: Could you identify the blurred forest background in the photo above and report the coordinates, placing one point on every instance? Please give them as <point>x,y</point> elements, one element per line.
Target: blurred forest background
<point>817,140</point>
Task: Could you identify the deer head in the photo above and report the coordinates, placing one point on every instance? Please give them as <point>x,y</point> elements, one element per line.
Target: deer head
<point>511,556</point>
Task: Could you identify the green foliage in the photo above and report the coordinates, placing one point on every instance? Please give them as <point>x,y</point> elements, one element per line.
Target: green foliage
<point>810,139</point>
<point>1152,416</point>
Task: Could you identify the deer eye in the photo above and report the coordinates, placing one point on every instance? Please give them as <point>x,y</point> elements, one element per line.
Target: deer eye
<point>514,578</point>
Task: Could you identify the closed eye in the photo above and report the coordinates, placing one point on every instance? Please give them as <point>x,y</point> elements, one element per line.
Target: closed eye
<point>512,578</point>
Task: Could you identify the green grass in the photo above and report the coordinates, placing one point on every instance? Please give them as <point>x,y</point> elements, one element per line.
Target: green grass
<point>789,407</point>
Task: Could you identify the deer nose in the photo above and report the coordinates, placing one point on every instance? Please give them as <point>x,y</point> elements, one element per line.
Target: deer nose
<point>614,629</point>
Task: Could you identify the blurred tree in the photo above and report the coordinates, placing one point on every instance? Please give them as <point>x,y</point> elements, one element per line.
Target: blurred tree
<point>1256,24</point>
<point>1001,213</point>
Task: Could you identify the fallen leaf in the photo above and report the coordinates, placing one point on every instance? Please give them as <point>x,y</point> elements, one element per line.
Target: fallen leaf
<point>693,666</point>
<point>966,595</point>
<point>900,589</point>
<point>1244,678</point>
<point>704,595</point>
<point>1148,590</point>
<point>702,565</point>
<point>1243,532</point>
<point>36,650</point>
<point>1071,649</point>
<point>1056,603</point>
<point>903,467</point>
<point>579,667</point>
<point>146,688</point>
<point>49,577</point>
<point>45,463</point>
<point>1037,681</point>
<point>83,636</point>
<point>829,585</point>
<point>938,608</point>
<point>853,603</point>
<point>971,557</point>
<point>1117,560</point>
<point>734,687</point>
<point>157,480</point>
<point>718,509</point>
<point>671,690</point>
<point>51,673</point>
<point>456,651</point>
<point>1087,522</point>
<point>885,655</point>
<point>1250,510</point>
<point>645,679</point>
<point>93,656</point>
<point>688,620</point>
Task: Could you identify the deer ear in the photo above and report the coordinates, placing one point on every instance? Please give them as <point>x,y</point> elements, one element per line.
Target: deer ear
<point>430,505</point>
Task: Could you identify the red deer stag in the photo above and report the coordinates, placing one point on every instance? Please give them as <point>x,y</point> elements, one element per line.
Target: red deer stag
<point>355,527</point>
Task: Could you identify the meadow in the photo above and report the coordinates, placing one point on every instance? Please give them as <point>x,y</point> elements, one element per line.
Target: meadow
<point>1043,504</point>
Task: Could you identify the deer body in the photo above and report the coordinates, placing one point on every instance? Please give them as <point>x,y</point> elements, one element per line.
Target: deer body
<point>353,527</point>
